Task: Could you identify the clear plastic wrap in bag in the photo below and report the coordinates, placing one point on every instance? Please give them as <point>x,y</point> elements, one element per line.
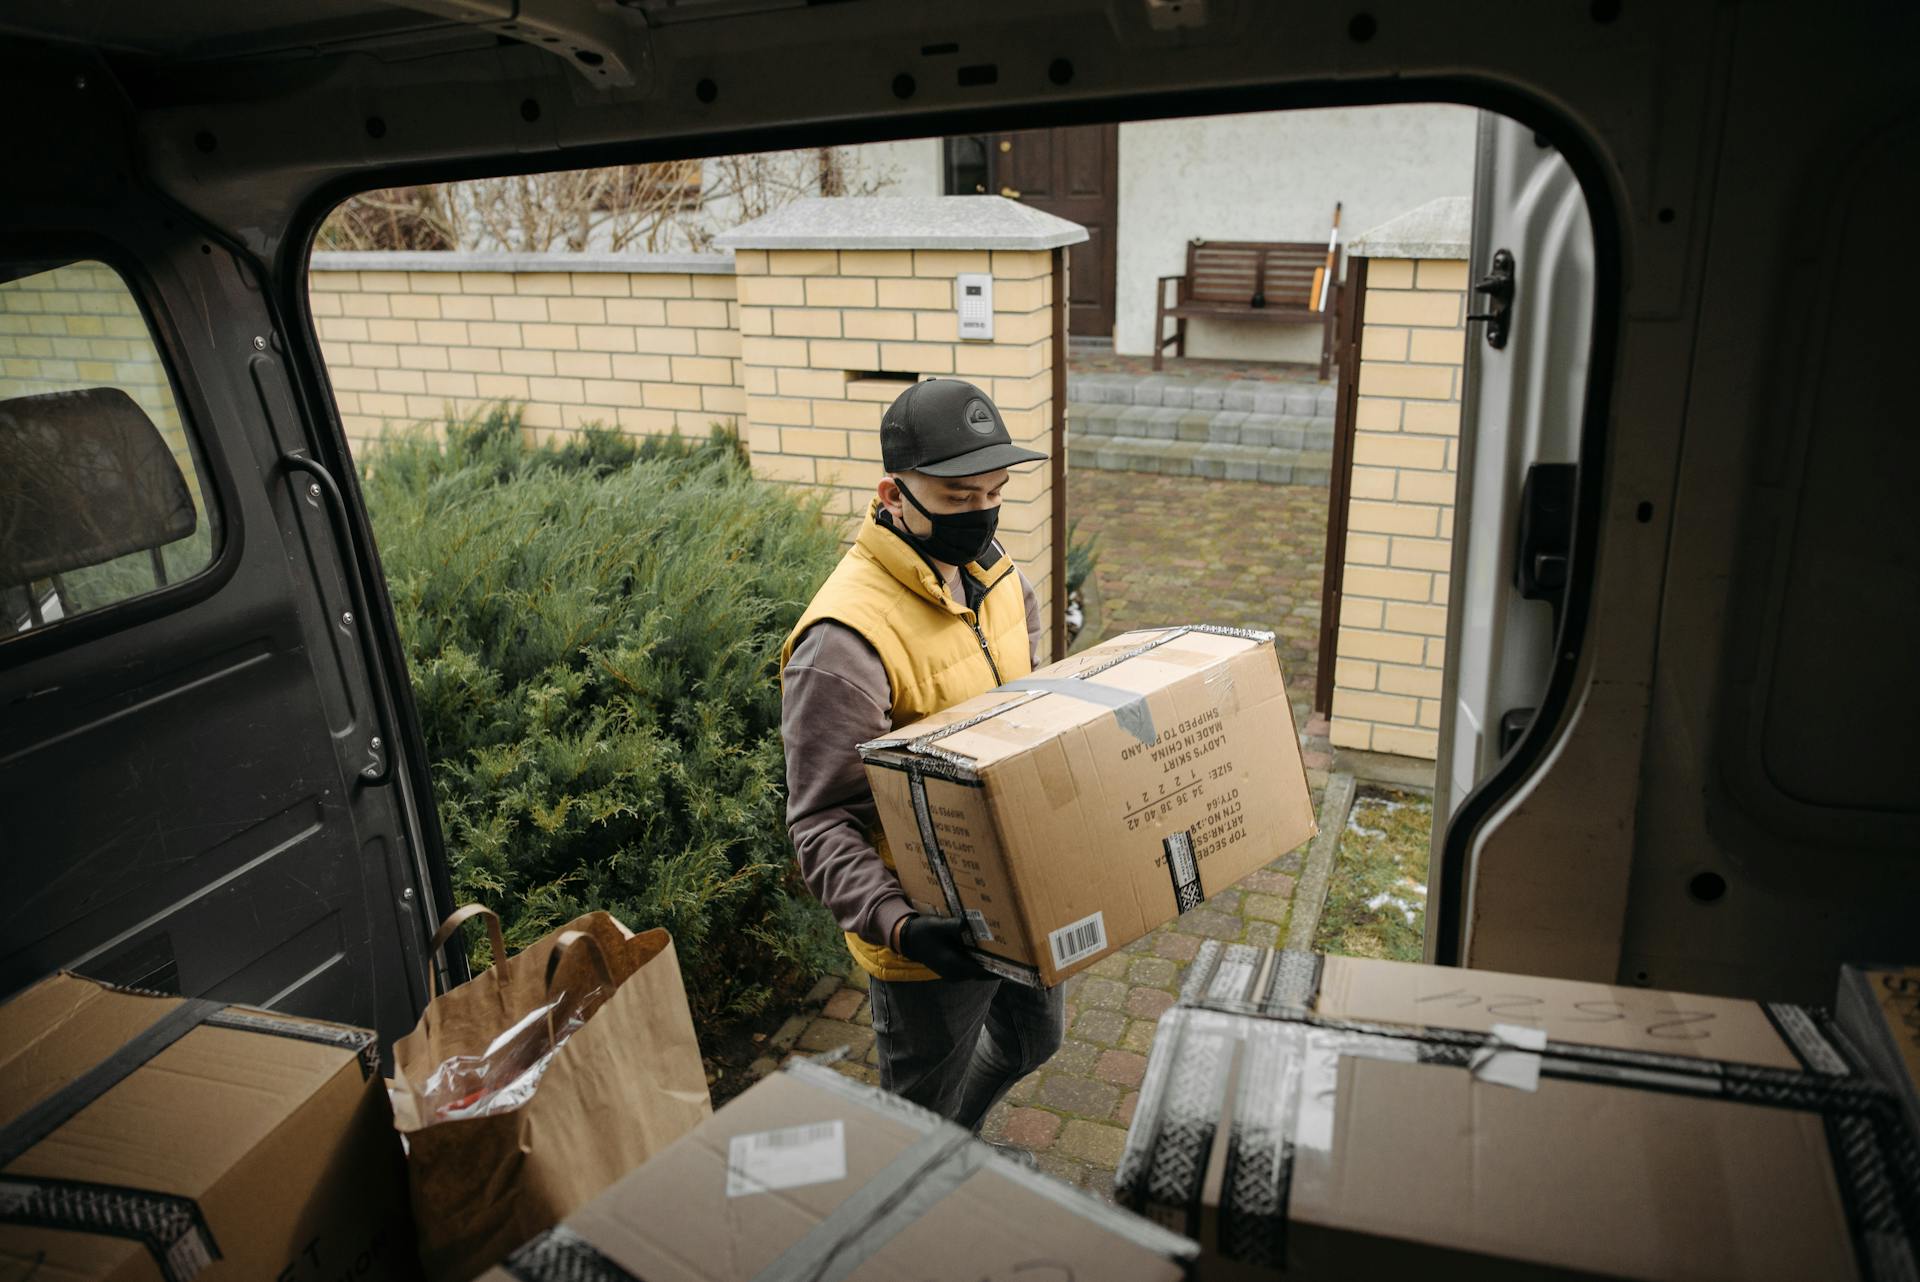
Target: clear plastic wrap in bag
<point>505,1075</point>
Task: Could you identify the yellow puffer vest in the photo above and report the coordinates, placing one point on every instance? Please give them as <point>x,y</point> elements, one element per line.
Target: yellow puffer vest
<point>930,646</point>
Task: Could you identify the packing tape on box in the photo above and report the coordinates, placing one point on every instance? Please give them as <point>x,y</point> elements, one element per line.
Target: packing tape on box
<point>171,1227</point>
<point>898,1194</point>
<point>1285,983</point>
<point>907,1187</point>
<point>1174,634</point>
<point>168,1225</point>
<point>53,1112</point>
<point>1183,869</point>
<point>561,1255</point>
<point>926,744</point>
<point>1245,1060</point>
<point>950,890</point>
<point>1511,1059</point>
<point>1074,686</point>
<point>890,1200</point>
<point>1130,709</point>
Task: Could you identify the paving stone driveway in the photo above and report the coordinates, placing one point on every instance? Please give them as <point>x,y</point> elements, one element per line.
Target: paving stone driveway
<point>1183,549</point>
<point>1072,1115</point>
<point>1172,549</point>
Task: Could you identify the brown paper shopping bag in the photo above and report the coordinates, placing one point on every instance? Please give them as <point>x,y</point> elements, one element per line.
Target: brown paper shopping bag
<point>600,1016</point>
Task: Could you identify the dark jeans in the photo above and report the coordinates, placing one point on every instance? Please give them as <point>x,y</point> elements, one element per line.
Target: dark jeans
<point>957,1045</point>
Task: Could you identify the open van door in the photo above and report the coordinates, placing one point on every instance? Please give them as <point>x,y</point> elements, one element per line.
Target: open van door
<point>1678,748</point>
<point>1532,265</point>
<point>204,786</point>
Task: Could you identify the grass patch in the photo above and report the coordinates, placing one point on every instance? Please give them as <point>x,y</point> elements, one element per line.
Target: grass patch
<point>1377,896</point>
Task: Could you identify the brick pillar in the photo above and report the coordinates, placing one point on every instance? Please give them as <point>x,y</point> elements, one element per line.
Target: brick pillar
<point>1391,649</point>
<point>845,302</point>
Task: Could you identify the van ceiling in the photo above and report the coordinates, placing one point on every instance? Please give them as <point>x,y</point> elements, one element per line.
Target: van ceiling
<point>216,30</point>
<point>212,31</point>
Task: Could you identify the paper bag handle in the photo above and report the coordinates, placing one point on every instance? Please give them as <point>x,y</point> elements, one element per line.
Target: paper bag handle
<point>567,939</point>
<point>456,919</point>
<point>562,942</point>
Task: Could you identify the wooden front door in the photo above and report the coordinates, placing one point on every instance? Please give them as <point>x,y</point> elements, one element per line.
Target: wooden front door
<point>1072,174</point>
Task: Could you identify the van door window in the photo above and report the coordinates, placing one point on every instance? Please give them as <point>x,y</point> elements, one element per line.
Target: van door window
<point>102,490</point>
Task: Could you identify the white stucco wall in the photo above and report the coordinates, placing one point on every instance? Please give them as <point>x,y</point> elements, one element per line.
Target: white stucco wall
<point>913,165</point>
<point>1270,176</point>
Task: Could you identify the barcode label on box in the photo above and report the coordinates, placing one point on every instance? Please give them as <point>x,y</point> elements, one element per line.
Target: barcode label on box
<point>1082,938</point>
<point>787,1158</point>
<point>977,922</point>
<point>1185,871</point>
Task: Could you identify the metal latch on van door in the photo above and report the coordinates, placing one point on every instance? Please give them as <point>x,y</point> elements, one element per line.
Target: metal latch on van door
<point>1541,557</point>
<point>1546,535</point>
<point>1497,285</point>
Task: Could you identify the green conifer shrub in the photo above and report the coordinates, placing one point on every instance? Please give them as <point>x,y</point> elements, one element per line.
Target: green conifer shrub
<point>593,633</point>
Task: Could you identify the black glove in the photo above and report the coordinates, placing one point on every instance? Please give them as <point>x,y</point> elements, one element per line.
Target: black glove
<point>939,944</point>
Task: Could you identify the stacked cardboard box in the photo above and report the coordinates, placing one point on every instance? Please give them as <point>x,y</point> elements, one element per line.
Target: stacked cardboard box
<point>1067,814</point>
<point>812,1175</point>
<point>1879,1010</point>
<point>148,1137</point>
<point>1346,1118</point>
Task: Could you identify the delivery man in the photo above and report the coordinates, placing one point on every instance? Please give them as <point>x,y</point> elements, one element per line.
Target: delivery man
<point>925,610</point>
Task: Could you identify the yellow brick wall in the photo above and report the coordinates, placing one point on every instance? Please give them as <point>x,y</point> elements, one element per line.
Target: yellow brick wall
<point>78,327</point>
<point>1393,604</point>
<point>647,352</point>
<point>812,320</point>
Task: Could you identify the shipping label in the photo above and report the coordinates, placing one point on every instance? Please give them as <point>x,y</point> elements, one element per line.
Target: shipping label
<point>977,923</point>
<point>790,1157</point>
<point>1078,939</point>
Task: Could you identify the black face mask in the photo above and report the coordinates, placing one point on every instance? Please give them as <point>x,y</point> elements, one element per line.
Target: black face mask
<point>957,537</point>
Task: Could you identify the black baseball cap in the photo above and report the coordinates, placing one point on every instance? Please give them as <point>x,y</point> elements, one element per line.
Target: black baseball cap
<point>946,427</point>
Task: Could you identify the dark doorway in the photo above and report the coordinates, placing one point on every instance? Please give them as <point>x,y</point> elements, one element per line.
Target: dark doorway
<point>1071,173</point>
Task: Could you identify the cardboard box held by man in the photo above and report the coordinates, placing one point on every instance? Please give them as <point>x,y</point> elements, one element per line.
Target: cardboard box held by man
<point>1068,813</point>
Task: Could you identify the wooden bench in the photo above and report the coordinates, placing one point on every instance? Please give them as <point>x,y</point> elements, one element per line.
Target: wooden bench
<point>1246,280</point>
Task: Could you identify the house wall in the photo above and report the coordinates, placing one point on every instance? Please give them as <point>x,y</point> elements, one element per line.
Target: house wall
<point>911,167</point>
<point>76,327</point>
<point>680,342</point>
<point>1391,651</point>
<point>645,344</point>
<point>1270,176</point>
<point>813,321</point>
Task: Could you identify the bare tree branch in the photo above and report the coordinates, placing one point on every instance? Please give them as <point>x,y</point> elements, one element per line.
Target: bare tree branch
<point>665,206</point>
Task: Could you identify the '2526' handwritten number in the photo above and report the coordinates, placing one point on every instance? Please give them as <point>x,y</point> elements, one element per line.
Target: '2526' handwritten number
<point>1679,1025</point>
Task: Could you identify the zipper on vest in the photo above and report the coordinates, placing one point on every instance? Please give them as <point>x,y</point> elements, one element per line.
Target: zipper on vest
<point>978,635</point>
<point>981,637</point>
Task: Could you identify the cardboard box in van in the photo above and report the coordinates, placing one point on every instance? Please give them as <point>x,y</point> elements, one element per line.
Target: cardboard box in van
<point>810,1175</point>
<point>1067,814</point>
<point>1878,1008</point>
<point>1332,1118</point>
<point>155,1139</point>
